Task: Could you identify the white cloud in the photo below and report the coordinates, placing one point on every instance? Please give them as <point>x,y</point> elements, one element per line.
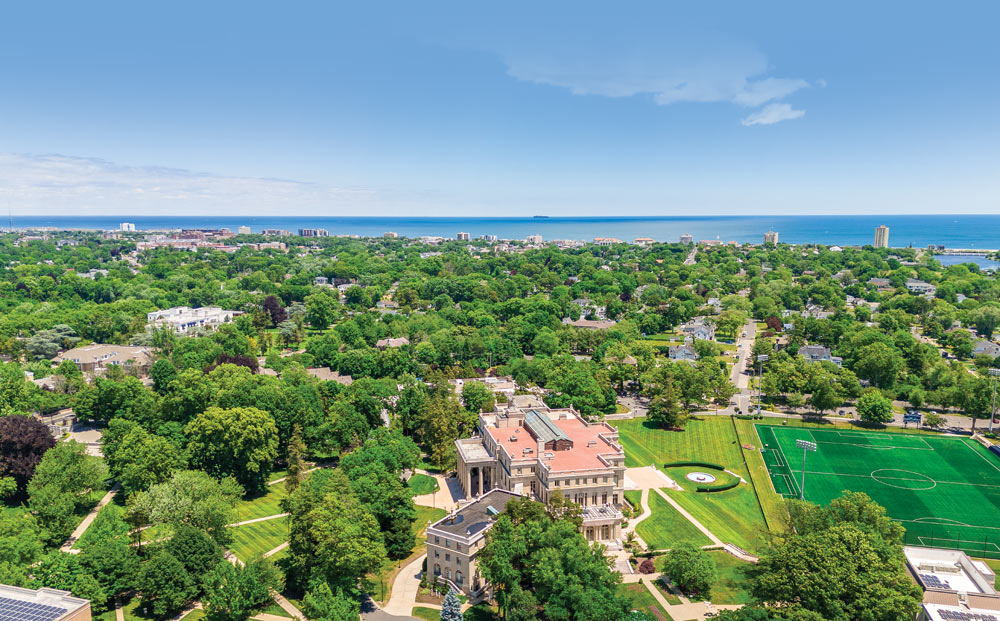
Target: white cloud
<point>670,72</point>
<point>773,113</point>
<point>60,184</point>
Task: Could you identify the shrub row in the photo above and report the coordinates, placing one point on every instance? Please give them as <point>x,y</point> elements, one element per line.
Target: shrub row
<point>695,464</point>
<point>718,488</point>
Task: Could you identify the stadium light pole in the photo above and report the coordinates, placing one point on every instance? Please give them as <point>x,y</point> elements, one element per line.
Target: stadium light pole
<point>761,359</point>
<point>806,446</point>
<point>993,407</point>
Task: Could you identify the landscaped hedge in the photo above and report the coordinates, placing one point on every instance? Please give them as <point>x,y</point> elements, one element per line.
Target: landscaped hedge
<point>695,464</point>
<point>718,488</point>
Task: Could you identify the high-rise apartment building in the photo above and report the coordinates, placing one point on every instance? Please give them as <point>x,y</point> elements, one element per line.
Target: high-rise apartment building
<point>243,230</point>
<point>533,239</point>
<point>314,233</point>
<point>771,237</point>
<point>462,237</point>
<point>882,236</point>
<point>126,226</point>
<point>687,239</point>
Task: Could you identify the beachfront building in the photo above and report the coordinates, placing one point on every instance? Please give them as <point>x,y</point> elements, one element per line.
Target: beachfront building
<point>528,448</point>
<point>314,233</point>
<point>42,604</point>
<point>771,237</point>
<point>882,236</point>
<point>462,236</point>
<point>127,226</point>
<point>184,319</point>
<point>243,230</point>
<point>687,239</point>
<point>533,239</point>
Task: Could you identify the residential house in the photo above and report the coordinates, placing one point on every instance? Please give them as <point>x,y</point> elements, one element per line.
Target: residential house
<point>589,324</point>
<point>699,329</point>
<point>920,287</point>
<point>989,348</point>
<point>392,342</point>
<point>818,353</point>
<point>683,352</point>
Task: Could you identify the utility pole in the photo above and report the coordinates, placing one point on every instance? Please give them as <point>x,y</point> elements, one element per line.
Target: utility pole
<point>806,446</point>
<point>993,407</point>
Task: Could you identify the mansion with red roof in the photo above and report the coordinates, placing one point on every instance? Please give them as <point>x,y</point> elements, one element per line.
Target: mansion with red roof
<point>528,448</point>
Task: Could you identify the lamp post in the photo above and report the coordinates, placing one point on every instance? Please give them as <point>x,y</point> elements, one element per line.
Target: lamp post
<point>805,445</point>
<point>761,359</point>
<point>993,407</point>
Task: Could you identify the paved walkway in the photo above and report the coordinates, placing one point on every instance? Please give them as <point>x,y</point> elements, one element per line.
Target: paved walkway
<point>279,548</point>
<point>405,588</point>
<point>255,520</point>
<point>447,496</point>
<point>87,521</point>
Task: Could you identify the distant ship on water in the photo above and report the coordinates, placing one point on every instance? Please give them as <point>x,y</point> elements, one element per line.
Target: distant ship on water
<point>540,217</point>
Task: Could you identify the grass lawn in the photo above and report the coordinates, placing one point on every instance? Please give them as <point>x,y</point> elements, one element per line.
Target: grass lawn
<point>734,515</point>
<point>643,600</point>
<point>423,515</point>
<point>275,609</point>
<point>425,464</point>
<point>666,528</point>
<point>257,538</point>
<point>621,409</point>
<point>481,612</point>
<point>775,511</point>
<point>944,490</point>
<point>430,614</point>
<point>195,614</point>
<point>420,484</point>
<point>634,498</point>
<point>277,474</point>
<point>261,506</point>
<point>730,583</point>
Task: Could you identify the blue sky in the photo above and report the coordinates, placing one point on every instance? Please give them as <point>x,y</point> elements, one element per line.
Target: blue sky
<point>406,108</point>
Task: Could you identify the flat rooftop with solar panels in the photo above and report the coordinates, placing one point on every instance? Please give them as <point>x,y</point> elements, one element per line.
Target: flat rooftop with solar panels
<point>949,570</point>
<point>19,604</point>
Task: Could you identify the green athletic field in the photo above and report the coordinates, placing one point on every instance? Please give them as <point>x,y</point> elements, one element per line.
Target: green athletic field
<point>945,491</point>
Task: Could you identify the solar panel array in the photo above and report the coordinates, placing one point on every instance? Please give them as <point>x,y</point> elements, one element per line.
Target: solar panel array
<point>957,615</point>
<point>17,610</point>
<point>933,582</point>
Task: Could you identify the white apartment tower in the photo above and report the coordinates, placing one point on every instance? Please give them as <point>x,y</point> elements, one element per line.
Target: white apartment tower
<point>882,236</point>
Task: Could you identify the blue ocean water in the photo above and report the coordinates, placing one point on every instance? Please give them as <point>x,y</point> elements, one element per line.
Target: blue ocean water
<point>957,231</point>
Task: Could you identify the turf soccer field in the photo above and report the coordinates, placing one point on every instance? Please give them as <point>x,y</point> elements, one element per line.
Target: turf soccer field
<point>945,491</point>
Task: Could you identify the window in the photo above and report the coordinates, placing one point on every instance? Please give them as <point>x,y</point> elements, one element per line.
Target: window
<point>447,543</point>
<point>437,539</point>
<point>458,547</point>
<point>458,578</point>
<point>447,558</point>
<point>437,569</point>
<point>604,499</point>
<point>437,554</point>
<point>595,479</point>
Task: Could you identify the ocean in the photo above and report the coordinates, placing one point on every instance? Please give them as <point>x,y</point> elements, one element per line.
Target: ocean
<point>952,231</point>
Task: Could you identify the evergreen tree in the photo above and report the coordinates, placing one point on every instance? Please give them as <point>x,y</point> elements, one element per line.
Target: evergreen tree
<point>451,609</point>
<point>296,460</point>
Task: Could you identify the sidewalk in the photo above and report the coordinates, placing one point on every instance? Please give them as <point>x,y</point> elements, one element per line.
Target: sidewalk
<point>87,521</point>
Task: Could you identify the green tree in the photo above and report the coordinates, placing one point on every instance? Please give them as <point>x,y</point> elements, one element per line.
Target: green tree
<point>321,309</point>
<point>139,459</point>
<point>237,442</point>
<point>233,592</point>
<point>824,396</point>
<point>296,460</point>
<point>477,397</point>
<point>933,419</point>
<point>61,486</point>
<point>873,407</point>
<point>451,608</point>
<point>194,549</point>
<point>163,372</point>
<point>664,410</point>
<point>190,497</point>
<point>165,585</point>
<point>332,536</point>
<point>691,569</point>
<point>323,604</point>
